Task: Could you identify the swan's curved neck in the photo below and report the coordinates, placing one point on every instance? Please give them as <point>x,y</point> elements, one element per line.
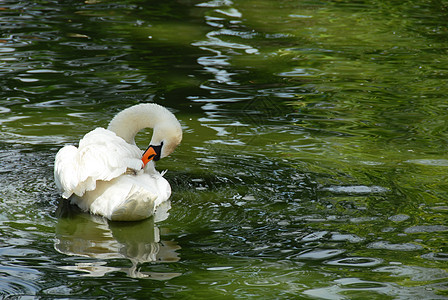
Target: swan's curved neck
<point>130,121</point>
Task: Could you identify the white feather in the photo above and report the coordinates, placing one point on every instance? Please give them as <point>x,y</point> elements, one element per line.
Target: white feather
<point>101,155</point>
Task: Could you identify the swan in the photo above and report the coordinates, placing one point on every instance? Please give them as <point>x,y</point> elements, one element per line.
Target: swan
<point>108,175</point>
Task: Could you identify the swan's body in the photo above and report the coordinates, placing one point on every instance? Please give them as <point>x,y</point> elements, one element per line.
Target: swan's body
<point>106,174</point>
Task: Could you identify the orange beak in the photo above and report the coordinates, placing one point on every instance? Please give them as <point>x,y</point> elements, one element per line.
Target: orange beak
<point>149,155</point>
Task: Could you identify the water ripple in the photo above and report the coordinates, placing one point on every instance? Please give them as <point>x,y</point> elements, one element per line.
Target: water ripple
<point>395,247</point>
<point>355,262</point>
<point>319,254</point>
<point>360,189</point>
<point>16,286</point>
<point>426,228</point>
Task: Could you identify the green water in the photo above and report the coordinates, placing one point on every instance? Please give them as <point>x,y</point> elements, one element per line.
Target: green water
<point>313,166</point>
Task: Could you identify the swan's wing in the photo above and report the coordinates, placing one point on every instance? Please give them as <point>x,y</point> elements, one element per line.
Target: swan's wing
<point>65,170</point>
<point>101,155</point>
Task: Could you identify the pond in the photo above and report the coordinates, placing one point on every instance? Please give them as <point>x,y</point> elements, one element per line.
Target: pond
<point>313,165</point>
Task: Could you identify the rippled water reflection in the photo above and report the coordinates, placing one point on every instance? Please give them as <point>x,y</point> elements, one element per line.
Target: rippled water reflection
<point>83,235</point>
<point>314,156</point>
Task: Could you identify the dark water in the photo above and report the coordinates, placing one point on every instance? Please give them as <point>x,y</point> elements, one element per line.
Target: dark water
<point>313,166</point>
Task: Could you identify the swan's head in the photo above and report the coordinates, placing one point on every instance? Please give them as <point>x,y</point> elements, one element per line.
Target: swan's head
<point>167,132</point>
<point>166,137</point>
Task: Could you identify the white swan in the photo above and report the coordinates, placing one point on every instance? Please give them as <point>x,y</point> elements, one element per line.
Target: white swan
<point>109,175</point>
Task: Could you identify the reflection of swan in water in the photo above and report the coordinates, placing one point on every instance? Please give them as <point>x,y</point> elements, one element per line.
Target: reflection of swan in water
<point>81,234</point>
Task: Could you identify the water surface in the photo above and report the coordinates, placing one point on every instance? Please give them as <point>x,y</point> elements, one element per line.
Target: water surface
<point>314,156</point>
